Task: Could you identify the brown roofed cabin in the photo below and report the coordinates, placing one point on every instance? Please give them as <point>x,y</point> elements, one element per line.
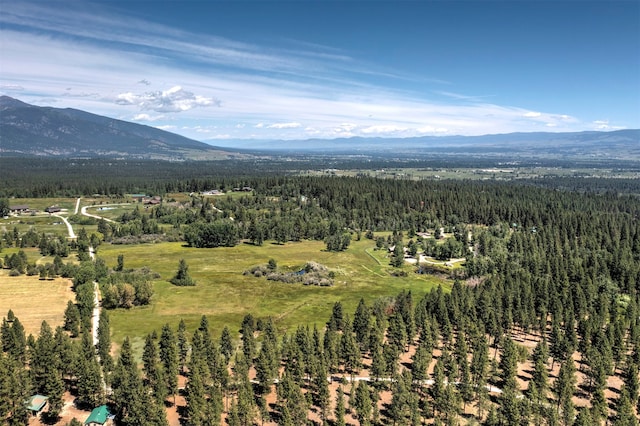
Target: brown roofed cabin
<point>53,209</point>
<point>20,208</point>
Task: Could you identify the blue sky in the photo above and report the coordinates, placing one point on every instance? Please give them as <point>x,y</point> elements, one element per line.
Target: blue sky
<point>216,70</point>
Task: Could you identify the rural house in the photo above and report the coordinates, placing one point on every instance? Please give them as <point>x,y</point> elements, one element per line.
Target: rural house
<point>17,209</point>
<point>36,404</point>
<point>99,416</point>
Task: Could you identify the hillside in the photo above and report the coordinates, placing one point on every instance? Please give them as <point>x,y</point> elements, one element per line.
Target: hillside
<point>29,130</point>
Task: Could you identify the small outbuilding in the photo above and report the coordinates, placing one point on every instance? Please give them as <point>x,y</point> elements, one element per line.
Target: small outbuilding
<point>53,209</point>
<point>99,416</point>
<point>36,404</point>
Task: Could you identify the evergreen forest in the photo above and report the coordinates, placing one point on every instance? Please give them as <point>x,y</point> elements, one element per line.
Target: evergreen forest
<point>538,322</point>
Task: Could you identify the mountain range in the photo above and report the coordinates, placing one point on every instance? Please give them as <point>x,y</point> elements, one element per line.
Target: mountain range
<point>29,130</point>
<point>619,144</point>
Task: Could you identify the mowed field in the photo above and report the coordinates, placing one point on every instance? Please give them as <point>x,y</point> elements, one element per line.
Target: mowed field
<point>33,300</point>
<point>225,295</point>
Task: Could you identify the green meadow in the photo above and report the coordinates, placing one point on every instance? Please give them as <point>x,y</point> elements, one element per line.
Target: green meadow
<point>225,295</point>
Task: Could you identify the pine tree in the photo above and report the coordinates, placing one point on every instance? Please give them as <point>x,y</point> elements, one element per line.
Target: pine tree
<point>195,390</point>
<point>182,277</point>
<point>625,415</point>
<point>168,352</point>
<point>479,373</point>
<point>43,357</point>
<point>322,393</point>
<point>72,319</point>
<point>584,418</point>
<point>248,342</point>
<point>421,360</point>
<point>104,341</point>
<point>183,345</point>
<point>131,403</point>
<point>14,390</point>
<point>539,383</point>
<point>154,373</point>
<point>89,381</point>
<point>508,364</point>
<point>438,388</point>
<point>631,381</point>
<point>399,407</point>
<point>564,388</point>
<point>340,408</point>
<point>226,344</point>
<point>349,352</point>
<point>362,403</point>
<point>361,325</point>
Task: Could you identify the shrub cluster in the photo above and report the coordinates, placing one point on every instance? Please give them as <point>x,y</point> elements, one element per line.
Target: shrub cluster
<point>313,273</point>
<point>143,238</point>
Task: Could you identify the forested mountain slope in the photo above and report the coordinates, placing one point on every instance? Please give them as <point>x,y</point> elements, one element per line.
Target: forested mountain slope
<point>28,130</point>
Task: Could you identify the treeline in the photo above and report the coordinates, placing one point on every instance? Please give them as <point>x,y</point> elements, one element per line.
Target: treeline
<point>37,178</point>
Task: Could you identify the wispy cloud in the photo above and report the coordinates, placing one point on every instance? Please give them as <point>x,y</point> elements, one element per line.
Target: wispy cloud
<point>292,125</point>
<point>11,87</point>
<point>605,125</point>
<point>132,69</point>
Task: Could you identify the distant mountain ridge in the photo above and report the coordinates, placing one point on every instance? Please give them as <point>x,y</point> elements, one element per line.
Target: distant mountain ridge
<point>622,144</point>
<point>29,130</point>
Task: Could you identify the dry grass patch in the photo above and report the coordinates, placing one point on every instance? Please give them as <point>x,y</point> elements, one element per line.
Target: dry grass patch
<point>33,300</point>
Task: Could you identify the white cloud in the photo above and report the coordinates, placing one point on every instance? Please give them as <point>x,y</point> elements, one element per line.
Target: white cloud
<point>292,125</point>
<point>11,87</point>
<point>345,128</point>
<point>384,129</point>
<point>175,99</point>
<point>147,117</point>
<point>167,127</point>
<point>532,114</point>
<point>605,125</point>
<point>430,130</point>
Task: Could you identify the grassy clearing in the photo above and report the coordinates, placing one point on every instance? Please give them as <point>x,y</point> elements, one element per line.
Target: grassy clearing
<point>226,296</point>
<point>33,300</point>
<point>43,203</point>
<point>109,210</point>
<point>41,223</point>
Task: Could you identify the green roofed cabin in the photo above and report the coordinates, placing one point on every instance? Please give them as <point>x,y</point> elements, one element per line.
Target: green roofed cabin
<point>36,403</point>
<point>99,416</point>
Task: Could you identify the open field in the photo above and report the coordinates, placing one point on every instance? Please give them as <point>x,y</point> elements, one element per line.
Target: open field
<point>42,203</point>
<point>226,296</point>
<point>41,223</point>
<point>506,172</point>
<point>33,300</point>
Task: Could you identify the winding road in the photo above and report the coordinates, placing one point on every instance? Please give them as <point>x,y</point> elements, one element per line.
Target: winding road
<point>72,235</point>
<point>95,318</point>
<point>83,211</point>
